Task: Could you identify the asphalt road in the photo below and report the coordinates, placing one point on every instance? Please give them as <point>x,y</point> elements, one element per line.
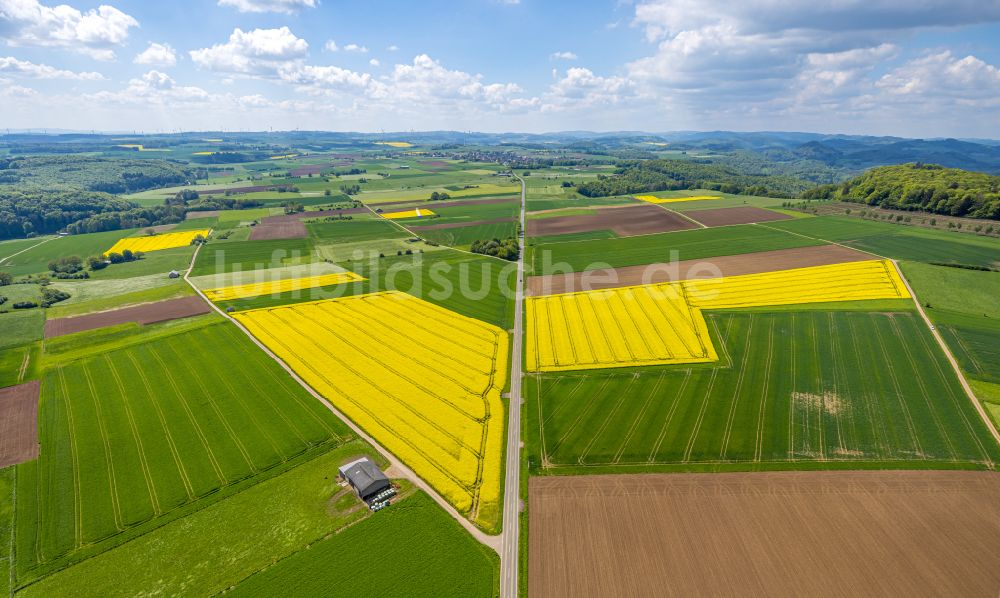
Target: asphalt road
<point>512,483</point>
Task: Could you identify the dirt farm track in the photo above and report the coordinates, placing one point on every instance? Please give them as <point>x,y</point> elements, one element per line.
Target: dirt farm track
<point>875,533</point>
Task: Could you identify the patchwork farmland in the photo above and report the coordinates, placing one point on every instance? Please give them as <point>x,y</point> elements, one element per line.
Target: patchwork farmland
<point>361,300</point>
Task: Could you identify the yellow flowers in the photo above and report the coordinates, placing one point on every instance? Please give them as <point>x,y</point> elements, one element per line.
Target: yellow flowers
<point>632,326</point>
<point>662,323</point>
<point>256,289</point>
<point>425,382</point>
<point>157,242</point>
<point>853,281</point>
<point>395,143</point>
<point>414,213</point>
<point>655,199</point>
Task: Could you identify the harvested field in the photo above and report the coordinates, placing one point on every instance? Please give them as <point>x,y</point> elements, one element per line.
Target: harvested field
<point>160,311</point>
<point>623,220</point>
<point>204,214</point>
<point>448,225</point>
<point>18,423</point>
<point>729,265</point>
<point>898,533</point>
<point>730,216</point>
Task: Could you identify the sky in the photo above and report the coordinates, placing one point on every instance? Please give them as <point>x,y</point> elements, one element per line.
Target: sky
<point>914,68</point>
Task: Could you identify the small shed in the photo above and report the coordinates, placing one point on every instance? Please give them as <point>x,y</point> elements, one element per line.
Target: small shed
<point>366,479</point>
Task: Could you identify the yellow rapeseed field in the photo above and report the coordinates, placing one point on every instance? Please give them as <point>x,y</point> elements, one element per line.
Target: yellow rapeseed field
<point>424,381</point>
<point>395,143</point>
<point>632,326</point>
<point>414,213</point>
<point>853,281</point>
<point>256,289</point>
<point>157,242</point>
<point>662,323</point>
<point>655,199</point>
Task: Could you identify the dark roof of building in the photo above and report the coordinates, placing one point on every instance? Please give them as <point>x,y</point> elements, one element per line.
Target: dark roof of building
<point>362,473</point>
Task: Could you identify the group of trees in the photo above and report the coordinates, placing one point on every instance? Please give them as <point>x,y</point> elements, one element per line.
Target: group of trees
<point>108,175</point>
<point>920,187</point>
<point>438,196</point>
<point>642,176</point>
<point>506,249</point>
<point>135,217</point>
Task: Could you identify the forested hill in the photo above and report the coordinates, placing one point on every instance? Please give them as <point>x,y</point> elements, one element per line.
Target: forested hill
<point>635,176</point>
<point>46,194</point>
<point>923,187</point>
<point>92,174</point>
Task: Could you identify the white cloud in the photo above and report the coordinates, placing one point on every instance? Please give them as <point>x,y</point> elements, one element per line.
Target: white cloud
<point>12,66</point>
<point>355,48</point>
<point>161,55</point>
<point>581,88</point>
<point>942,74</point>
<point>562,56</point>
<point>320,78</point>
<point>280,6</point>
<point>393,48</point>
<point>94,32</point>
<point>331,46</point>
<point>261,52</point>
<point>426,82</point>
<point>375,62</point>
<point>17,91</point>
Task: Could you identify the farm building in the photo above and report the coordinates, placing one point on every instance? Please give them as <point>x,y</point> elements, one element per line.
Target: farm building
<point>366,479</point>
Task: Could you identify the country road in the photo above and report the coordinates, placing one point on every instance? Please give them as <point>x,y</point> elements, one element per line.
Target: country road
<point>512,483</point>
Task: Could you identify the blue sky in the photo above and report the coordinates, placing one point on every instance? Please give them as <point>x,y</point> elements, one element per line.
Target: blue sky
<point>919,68</point>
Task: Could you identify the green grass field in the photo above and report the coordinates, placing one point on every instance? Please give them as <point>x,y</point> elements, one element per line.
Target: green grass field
<point>261,525</point>
<point>963,305</point>
<point>474,212</point>
<point>353,231</point>
<point>472,285</point>
<point>36,259</point>
<point>792,391</point>
<point>413,546</point>
<point>131,435</point>
<point>898,241</point>
<point>546,258</point>
<point>217,258</point>
<point>463,236</point>
<point>18,364</point>
<point>6,528</point>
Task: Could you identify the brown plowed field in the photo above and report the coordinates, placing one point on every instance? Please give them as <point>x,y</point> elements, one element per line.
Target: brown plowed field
<point>19,423</point>
<point>310,169</point>
<point>730,265</point>
<point>623,220</point>
<point>459,224</point>
<point>149,313</point>
<point>870,533</point>
<point>742,215</point>
<point>205,214</point>
<point>290,226</point>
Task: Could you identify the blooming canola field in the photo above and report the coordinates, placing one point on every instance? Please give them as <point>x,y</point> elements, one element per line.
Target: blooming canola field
<point>655,199</point>
<point>157,242</point>
<point>641,325</point>
<point>425,382</point>
<point>661,324</point>
<point>256,289</point>
<point>414,213</point>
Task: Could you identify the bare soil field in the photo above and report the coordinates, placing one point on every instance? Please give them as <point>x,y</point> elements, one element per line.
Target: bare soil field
<point>447,225</point>
<point>741,215</point>
<point>290,226</point>
<point>205,214</point>
<point>18,423</point>
<point>623,220</point>
<point>730,265</point>
<point>866,533</point>
<point>310,169</point>
<point>435,164</point>
<point>149,313</point>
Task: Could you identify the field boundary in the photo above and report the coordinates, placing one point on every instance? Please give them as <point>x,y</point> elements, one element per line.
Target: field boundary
<point>490,541</point>
<point>951,359</point>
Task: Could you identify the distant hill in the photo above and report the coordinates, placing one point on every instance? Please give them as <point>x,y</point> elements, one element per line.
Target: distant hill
<point>923,187</point>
